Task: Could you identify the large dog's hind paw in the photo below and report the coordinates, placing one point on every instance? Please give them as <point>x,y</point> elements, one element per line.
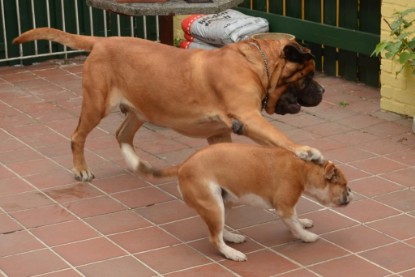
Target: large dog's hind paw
<point>83,175</point>
<point>309,154</point>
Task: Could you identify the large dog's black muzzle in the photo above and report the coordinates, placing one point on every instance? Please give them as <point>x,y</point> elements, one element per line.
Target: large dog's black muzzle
<point>294,98</point>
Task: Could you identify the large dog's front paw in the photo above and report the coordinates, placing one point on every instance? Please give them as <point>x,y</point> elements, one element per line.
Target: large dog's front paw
<point>84,175</point>
<point>308,153</point>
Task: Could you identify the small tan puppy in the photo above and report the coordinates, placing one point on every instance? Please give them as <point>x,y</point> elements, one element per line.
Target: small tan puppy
<point>216,177</point>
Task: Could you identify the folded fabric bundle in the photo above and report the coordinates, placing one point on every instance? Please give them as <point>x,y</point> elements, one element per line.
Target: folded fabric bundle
<point>222,28</point>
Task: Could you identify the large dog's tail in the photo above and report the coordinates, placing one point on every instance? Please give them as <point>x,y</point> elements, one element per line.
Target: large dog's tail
<point>133,161</point>
<point>71,40</point>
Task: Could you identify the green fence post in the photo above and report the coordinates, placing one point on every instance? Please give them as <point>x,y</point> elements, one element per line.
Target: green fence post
<point>347,59</point>
<point>330,53</point>
<point>369,67</point>
<point>312,12</point>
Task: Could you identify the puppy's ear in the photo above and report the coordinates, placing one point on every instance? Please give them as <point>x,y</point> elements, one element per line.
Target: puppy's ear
<point>296,53</point>
<point>330,170</point>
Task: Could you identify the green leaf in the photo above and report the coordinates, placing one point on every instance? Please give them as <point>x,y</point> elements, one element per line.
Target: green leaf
<point>406,12</point>
<point>394,47</point>
<point>379,48</point>
<point>404,57</point>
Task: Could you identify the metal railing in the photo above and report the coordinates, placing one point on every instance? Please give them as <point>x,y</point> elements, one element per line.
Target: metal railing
<point>18,16</point>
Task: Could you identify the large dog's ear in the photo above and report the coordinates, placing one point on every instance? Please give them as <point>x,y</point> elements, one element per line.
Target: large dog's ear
<point>296,53</point>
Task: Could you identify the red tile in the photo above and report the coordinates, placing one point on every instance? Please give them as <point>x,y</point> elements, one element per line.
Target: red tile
<point>65,232</point>
<point>298,273</point>
<point>400,227</point>
<point>347,154</point>
<point>170,188</point>
<point>166,212</point>
<point>120,183</point>
<point>8,224</point>
<point>94,206</point>
<point>327,221</point>
<point>24,201</point>
<point>42,216</point>
<point>204,246</point>
<point>18,242</point>
<point>373,210</point>
<point>360,121</point>
<point>377,165</point>
<point>244,216</point>
<point>173,258</point>
<point>396,257</point>
<point>306,205</point>
<point>32,263</point>
<point>410,273</point>
<point>13,186</point>
<point>161,145</point>
<point>6,173</point>
<point>261,263</point>
<point>89,251</point>
<point>26,168</point>
<point>188,229</point>
<point>356,137</point>
<point>125,266</point>
<point>210,270</point>
<point>142,197</point>
<point>117,222</point>
<point>384,147</point>
<point>305,253</point>
<point>404,177</point>
<point>358,238</point>
<point>72,192</point>
<point>353,265</point>
<point>353,173</point>
<point>269,234</point>
<point>373,186</point>
<point>327,129</point>
<point>176,157</point>
<point>53,179</point>
<point>405,157</point>
<point>403,200</point>
<point>144,239</point>
<point>15,156</point>
<point>62,273</point>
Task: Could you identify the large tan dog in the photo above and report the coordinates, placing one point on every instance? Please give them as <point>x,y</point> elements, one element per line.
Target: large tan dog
<point>199,93</point>
<point>218,176</point>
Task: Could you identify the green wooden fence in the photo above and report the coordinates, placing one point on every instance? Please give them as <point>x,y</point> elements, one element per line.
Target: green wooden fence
<point>341,33</point>
<point>70,15</point>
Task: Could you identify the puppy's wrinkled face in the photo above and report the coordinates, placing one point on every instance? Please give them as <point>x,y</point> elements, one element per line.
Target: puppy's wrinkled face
<point>332,189</point>
<point>305,92</point>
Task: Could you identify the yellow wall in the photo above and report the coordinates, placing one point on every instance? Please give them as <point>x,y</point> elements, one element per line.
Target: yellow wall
<point>397,92</point>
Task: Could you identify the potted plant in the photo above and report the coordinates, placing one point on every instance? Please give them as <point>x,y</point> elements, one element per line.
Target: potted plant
<point>400,47</point>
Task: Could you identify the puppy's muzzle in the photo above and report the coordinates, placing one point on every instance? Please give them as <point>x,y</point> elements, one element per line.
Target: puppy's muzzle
<point>347,197</point>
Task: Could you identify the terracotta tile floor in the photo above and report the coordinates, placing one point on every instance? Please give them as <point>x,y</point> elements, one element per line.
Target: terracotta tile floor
<point>122,225</point>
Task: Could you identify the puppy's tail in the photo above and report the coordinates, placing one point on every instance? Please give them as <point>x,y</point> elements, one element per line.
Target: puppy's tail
<point>70,40</point>
<point>133,161</point>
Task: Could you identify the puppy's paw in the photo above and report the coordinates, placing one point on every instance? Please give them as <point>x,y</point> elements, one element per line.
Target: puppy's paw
<point>307,236</point>
<point>308,153</point>
<point>307,223</point>
<point>234,238</point>
<point>234,255</point>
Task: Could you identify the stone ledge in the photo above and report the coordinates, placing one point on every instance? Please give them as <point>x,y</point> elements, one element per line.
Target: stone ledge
<point>172,7</point>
